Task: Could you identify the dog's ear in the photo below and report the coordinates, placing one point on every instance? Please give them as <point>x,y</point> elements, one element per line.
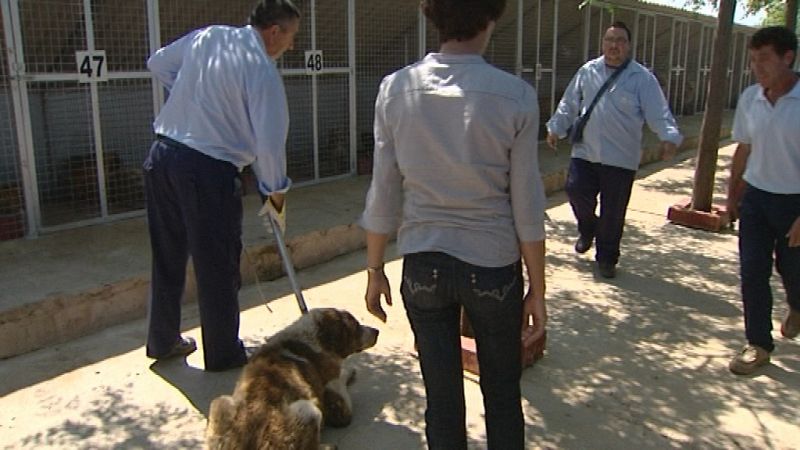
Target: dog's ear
<point>338,332</point>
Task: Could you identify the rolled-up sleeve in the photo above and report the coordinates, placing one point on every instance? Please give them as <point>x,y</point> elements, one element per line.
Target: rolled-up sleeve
<point>528,199</point>
<point>383,208</point>
<point>269,115</point>
<point>656,111</point>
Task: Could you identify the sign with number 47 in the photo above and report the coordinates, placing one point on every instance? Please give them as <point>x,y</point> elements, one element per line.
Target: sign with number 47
<point>91,66</point>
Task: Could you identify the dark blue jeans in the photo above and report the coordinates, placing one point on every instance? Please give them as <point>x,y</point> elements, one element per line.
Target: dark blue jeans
<point>585,181</point>
<point>194,207</point>
<point>435,287</point>
<point>764,220</point>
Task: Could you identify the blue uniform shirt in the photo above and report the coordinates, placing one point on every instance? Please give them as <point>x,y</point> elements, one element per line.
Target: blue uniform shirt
<point>613,135</point>
<point>226,100</point>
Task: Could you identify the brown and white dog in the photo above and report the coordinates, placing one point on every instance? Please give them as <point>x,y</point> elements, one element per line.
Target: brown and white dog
<point>291,386</point>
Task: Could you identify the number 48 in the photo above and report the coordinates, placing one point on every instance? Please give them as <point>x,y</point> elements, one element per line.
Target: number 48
<point>314,61</point>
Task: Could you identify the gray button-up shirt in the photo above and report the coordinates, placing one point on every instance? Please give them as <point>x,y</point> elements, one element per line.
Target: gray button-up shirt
<point>456,166</point>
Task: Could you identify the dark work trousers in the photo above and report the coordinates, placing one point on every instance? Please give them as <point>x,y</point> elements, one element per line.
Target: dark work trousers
<point>764,220</point>
<point>435,287</point>
<point>194,207</point>
<point>585,181</point>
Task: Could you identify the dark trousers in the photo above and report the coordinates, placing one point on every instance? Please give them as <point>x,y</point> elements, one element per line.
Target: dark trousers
<point>585,181</point>
<point>194,207</point>
<point>764,220</point>
<point>434,289</point>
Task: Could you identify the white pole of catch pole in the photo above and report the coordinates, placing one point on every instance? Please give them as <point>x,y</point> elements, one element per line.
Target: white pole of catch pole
<point>287,264</point>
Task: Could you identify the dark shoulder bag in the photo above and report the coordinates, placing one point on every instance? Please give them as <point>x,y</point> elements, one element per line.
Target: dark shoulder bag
<point>576,131</point>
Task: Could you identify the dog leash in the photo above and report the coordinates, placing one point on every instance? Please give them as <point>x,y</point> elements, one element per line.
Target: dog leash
<point>258,281</point>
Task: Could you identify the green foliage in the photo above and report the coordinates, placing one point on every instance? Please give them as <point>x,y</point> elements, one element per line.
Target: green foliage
<point>776,14</point>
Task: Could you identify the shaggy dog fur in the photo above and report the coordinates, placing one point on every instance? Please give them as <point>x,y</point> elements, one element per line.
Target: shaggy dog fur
<point>291,386</point>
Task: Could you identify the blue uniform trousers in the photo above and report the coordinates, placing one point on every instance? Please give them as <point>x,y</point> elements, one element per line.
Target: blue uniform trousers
<point>764,220</point>
<point>585,181</point>
<point>194,207</point>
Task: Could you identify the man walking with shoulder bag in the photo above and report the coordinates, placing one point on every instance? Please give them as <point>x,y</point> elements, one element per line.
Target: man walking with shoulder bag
<point>603,110</point>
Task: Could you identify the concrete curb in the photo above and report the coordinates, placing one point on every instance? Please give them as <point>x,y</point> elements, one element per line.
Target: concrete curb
<point>59,318</point>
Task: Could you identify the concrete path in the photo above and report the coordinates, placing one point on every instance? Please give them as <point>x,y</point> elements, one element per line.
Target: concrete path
<point>636,362</point>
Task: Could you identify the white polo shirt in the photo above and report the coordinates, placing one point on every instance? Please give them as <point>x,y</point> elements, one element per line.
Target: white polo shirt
<point>773,133</point>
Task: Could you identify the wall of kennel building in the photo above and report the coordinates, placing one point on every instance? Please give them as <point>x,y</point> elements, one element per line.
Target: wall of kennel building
<point>77,102</point>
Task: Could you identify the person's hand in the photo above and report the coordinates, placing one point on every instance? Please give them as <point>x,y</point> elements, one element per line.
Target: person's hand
<point>668,150</point>
<point>269,212</point>
<point>732,202</point>
<point>533,310</point>
<point>794,234</point>
<point>552,140</point>
<point>377,285</point>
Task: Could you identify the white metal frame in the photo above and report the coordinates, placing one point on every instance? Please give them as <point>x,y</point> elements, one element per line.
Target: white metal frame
<point>649,60</point>
<point>538,70</point>
<point>732,65</point>
<point>18,79</point>
<point>678,67</point>
<point>704,58</point>
<point>744,73</point>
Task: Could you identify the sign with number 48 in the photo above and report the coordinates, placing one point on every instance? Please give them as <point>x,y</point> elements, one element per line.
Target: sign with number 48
<point>91,66</point>
<point>314,61</point>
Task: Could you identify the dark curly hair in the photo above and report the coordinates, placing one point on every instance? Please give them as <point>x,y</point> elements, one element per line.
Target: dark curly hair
<point>462,19</point>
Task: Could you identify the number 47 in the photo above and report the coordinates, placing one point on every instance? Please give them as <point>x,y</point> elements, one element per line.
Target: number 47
<point>91,65</point>
<point>88,68</point>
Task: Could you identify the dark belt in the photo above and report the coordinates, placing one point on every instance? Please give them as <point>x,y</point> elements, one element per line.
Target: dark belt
<point>172,142</point>
<point>181,146</point>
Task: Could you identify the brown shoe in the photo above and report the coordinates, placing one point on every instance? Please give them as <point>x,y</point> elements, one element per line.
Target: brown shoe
<point>748,360</point>
<point>790,327</point>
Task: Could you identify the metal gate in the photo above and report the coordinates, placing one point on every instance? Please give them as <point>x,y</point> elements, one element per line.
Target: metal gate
<point>679,60</point>
<point>539,31</point>
<point>597,19</point>
<point>704,57</point>
<point>79,102</point>
<point>644,37</point>
<point>83,118</point>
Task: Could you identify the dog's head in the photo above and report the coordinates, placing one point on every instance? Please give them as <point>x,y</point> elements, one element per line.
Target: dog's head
<point>337,331</point>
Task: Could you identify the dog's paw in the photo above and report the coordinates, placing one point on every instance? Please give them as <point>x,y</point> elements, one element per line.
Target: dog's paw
<point>337,409</point>
<point>348,375</point>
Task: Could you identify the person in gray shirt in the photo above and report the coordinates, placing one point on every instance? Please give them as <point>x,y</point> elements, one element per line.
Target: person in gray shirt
<point>456,175</point>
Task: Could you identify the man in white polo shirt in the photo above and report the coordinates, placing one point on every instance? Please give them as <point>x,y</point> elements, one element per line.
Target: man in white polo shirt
<point>764,192</point>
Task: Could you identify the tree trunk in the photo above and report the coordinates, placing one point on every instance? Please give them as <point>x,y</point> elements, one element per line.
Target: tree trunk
<point>791,15</point>
<point>703,189</point>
